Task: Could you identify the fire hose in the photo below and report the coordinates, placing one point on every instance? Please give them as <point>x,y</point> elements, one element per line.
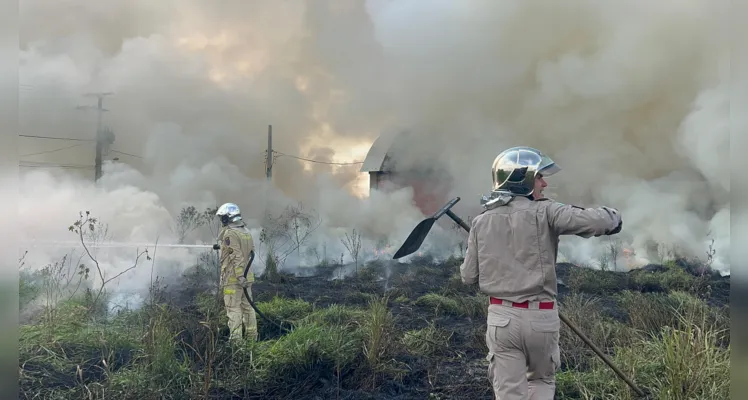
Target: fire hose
<point>280,327</point>
<point>416,238</point>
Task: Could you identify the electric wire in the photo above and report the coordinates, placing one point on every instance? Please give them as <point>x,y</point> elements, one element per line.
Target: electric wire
<point>126,154</point>
<point>38,164</point>
<point>50,151</point>
<point>316,161</point>
<point>57,138</point>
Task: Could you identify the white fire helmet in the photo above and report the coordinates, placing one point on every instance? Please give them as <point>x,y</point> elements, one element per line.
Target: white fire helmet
<point>228,213</point>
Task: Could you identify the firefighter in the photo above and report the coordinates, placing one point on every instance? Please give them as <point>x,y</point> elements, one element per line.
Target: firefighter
<point>235,242</point>
<point>511,254</point>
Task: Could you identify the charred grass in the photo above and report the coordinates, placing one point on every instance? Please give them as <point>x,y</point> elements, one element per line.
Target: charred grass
<point>394,331</point>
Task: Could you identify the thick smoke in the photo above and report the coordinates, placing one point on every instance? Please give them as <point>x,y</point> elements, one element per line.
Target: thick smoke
<point>630,99</point>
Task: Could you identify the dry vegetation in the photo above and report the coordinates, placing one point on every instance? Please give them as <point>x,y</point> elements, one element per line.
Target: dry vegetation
<point>393,331</point>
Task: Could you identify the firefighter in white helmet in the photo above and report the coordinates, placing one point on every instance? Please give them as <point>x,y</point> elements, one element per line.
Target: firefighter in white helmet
<point>236,243</point>
<point>511,253</point>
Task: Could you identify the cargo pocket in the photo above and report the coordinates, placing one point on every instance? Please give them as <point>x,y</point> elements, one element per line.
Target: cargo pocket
<point>497,336</point>
<point>546,335</point>
<point>497,320</point>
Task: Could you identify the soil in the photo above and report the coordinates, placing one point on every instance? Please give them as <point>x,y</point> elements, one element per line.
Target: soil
<point>461,375</point>
<point>458,374</point>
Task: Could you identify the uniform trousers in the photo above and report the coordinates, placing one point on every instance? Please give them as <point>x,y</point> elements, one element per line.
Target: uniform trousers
<point>523,352</point>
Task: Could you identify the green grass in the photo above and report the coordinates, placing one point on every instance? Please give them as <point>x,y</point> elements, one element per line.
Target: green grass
<point>670,341</point>
<point>673,278</point>
<point>429,341</point>
<point>676,364</point>
<point>469,306</point>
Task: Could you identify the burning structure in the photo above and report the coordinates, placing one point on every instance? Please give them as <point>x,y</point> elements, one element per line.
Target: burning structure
<point>392,165</point>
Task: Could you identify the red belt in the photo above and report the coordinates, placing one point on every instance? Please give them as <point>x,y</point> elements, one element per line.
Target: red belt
<point>543,305</point>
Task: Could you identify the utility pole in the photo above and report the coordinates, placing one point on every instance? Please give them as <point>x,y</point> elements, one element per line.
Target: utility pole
<point>103,139</point>
<point>269,157</point>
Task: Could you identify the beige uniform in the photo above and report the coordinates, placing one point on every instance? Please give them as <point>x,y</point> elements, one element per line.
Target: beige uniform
<point>236,245</point>
<point>511,253</point>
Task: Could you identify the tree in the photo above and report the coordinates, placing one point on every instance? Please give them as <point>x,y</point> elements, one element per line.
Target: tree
<point>302,225</point>
<point>285,234</point>
<point>210,220</point>
<point>85,227</point>
<point>352,243</point>
<point>187,221</point>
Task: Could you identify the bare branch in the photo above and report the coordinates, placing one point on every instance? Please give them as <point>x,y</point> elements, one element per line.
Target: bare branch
<point>352,243</point>
<point>79,228</point>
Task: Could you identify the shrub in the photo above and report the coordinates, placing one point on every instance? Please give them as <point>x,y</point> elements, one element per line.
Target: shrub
<point>679,364</point>
<point>650,312</point>
<point>677,279</point>
<point>469,306</point>
<point>307,348</point>
<point>588,315</point>
<point>280,310</point>
<point>592,281</point>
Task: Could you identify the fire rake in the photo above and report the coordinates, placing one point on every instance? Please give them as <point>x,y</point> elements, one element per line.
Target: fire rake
<point>416,238</point>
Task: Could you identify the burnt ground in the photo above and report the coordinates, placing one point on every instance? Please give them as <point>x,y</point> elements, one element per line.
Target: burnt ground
<point>455,370</point>
<point>461,371</point>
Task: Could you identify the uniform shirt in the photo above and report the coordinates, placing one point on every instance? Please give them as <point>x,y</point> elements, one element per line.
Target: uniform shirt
<point>236,244</point>
<point>512,249</point>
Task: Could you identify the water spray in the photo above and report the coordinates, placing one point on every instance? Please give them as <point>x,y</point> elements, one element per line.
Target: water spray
<point>113,245</point>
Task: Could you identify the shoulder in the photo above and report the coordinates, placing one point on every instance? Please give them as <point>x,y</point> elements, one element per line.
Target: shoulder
<point>481,215</point>
<point>231,232</point>
<point>241,232</point>
<point>555,203</point>
<point>556,206</point>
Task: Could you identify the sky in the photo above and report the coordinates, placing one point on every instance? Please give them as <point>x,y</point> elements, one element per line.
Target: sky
<point>631,99</point>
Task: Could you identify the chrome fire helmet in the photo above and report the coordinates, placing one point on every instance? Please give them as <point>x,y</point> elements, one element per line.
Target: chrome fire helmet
<point>514,170</point>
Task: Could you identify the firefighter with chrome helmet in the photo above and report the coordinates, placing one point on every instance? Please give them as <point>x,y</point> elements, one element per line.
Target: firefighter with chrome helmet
<point>511,253</point>
<point>236,243</point>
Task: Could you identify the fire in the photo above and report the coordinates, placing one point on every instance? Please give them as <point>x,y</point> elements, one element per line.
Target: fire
<point>382,252</point>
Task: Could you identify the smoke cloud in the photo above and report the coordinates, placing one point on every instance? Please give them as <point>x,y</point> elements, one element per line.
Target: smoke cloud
<point>630,99</point>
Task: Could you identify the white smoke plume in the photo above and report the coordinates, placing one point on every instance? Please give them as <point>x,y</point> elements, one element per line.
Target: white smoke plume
<point>631,99</point>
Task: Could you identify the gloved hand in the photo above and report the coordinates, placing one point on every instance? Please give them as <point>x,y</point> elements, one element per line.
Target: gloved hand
<point>243,282</point>
<point>615,214</point>
<point>616,229</point>
<point>216,247</point>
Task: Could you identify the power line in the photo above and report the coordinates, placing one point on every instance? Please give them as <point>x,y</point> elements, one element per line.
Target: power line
<point>58,166</point>
<point>52,165</point>
<point>317,161</point>
<point>50,151</point>
<point>49,163</point>
<point>127,154</point>
<point>56,138</point>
